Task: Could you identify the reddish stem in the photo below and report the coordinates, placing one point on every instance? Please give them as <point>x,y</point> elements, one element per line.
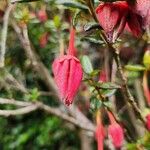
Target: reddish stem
<point>71,48</point>
<point>111,117</point>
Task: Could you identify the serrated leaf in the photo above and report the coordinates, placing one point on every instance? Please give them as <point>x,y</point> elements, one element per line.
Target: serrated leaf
<point>72,4</point>
<point>135,67</point>
<point>86,64</point>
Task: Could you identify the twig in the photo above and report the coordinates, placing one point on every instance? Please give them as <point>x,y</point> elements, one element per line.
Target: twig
<point>4,34</point>
<point>28,107</point>
<point>19,111</point>
<point>125,88</point>
<point>14,102</point>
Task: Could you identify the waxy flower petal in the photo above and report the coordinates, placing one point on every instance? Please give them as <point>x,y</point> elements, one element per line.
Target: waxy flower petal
<point>68,75</point>
<point>112,18</point>
<point>142,8</point>
<point>134,22</point>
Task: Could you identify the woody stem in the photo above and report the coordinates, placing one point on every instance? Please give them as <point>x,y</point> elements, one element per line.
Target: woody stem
<point>127,93</point>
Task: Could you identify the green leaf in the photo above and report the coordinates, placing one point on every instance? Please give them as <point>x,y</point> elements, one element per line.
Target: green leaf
<point>108,93</point>
<point>72,4</point>
<point>95,104</point>
<point>22,1</point>
<point>86,64</point>
<point>108,85</point>
<point>33,95</point>
<point>91,26</point>
<point>146,59</point>
<point>57,21</point>
<point>131,146</point>
<point>93,40</point>
<point>135,67</point>
<point>94,73</point>
<point>75,17</point>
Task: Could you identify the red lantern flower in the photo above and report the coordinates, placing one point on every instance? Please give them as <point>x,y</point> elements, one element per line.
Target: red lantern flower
<point>112,18</point>
<point>148,122</point>
<point>142,8</point>
<point>115,132</point>
<point>68,73</point>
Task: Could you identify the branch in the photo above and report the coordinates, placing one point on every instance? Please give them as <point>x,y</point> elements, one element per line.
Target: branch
<point>126,91</point>
<point>19,111</point>
<point>14,102</point>
<point>28,107</point>
<point>4,34</point>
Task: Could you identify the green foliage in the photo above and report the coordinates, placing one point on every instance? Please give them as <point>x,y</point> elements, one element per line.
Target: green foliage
<point>72,4</point>
<point>42,133</point>
<point>95,104</point>
<point>146,59</point>
<point>135,67</point>
<point>33,95</point>
<point>86,64</point>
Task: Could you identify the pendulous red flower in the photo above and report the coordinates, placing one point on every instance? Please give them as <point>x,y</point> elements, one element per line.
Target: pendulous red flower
<point>114,16</point>
<point>148,122</point>
<point>142,8</point>
<point>68,73</point>
<point>115,132</point>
